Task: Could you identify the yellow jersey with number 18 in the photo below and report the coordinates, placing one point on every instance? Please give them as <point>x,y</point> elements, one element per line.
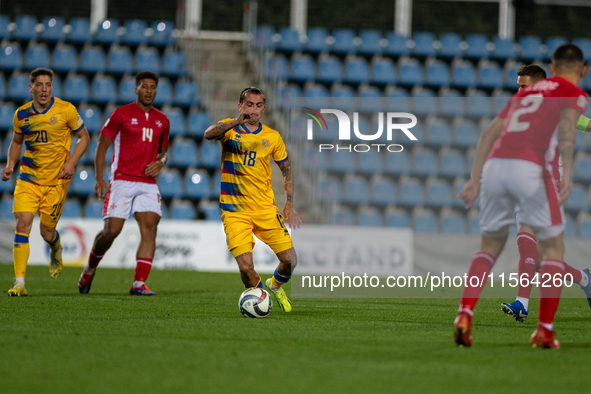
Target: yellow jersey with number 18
<point>246,170</point>
<point>47,140</point>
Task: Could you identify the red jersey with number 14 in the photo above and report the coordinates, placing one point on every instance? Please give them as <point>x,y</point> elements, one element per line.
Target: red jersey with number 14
<point>138,137</point>
<point>531,117</point>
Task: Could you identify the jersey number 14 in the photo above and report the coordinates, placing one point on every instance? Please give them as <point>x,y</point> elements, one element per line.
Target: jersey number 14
<point>147,134</point>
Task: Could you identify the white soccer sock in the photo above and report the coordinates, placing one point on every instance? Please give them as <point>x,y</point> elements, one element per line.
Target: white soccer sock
<point>138,283</point>
<point>524,301</point>
<point>548,326</point>
<point>584,279</point>
<point>89,270</point>
<point>20,279</point>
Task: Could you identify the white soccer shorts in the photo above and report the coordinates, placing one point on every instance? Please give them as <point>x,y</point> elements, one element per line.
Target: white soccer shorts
<point>126,196</point>
<point>511,183</point>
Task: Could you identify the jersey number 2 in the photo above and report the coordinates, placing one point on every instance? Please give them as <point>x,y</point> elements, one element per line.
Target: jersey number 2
<point>529,104</point>
<point>147,134</point>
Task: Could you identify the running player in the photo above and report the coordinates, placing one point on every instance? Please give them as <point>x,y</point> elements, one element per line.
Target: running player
<point>45,126</point>
<point>526,240</point>
<point>140,134</point>
<point>247,200</point>
<point>513,157</point>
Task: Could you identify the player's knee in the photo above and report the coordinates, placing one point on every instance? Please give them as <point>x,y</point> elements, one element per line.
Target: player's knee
<point>48,236</point>
<point>109,234</point>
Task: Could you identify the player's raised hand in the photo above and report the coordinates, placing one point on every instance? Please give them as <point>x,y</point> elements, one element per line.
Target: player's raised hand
<point>154,168</point>
<point>6,173</point>
<point>243,116</point>
<point>291,216</point>
<point>101,187</point>
<point>469,193</point>
<point>67,171</point>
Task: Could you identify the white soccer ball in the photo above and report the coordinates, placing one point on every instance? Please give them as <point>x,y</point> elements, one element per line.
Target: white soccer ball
<point>255,302</point>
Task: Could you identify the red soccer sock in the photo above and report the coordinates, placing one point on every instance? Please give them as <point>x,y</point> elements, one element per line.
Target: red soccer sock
<point>576,273</point>
<point>480,267</point>
<point>94,259</point>
<point>550,296</point>
<point>142,269</point>
<point>528,258</point>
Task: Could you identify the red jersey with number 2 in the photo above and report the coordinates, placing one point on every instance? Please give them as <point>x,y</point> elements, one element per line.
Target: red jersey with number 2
<point>137,137</point>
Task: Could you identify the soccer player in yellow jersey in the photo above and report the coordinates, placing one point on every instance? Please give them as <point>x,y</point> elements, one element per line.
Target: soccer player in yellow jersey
<point>247,201</point>
<point>45,126</point>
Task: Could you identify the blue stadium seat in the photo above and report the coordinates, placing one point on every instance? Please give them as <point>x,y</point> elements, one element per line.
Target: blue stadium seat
<point>424,162</point>
<point>438,193</point>
<point>71,209</point>
<point>83,181</point>
<point>18,87</point>
<point>25,29</point>
<point>452,163</point>
<point>11,56</point>
<point>317,37</point>
<point>216,187</point>
<point>170,183</point>
<point>119,60</point>
<point>476,46</point>
<point>585,45</point>
<point>474,224</point>
<point>92,59</point>
<point>577,201</point>
<point>7,111</point>
<point>383,71</point>
<point>162,35</point>
<point>552,43</point>
<point>463,74</point>
<point>438,132</point>
<point>211,210</point>
<point>65,59</point>
<point>276,66</point>
<point>343,41</point>
<point>342,216</point>
<point>465,133</point>
<point>410,72</point>
<point>93,209</point>
<point>397,100</point>
<point>424,44</point>
<point>382,191</point>
<point>92,117</point>
<point>3,87</point>
<point>284,94</point>
<point>135,32</point>
<point>411,192</point>
<point>342,162</point>
<point>174,63</point>
<point>147,59</point>
<point>80,30</point>
<point>397,218</point>
<point>107,32</point>
<point>343,97</point>
<point>397,45</point>
<point>186,93</point>
<point>530,48</point>
<point>4,22</point>
<point>451,103</point>
<point>329,70</point>
<point>290,40</point>
<point>302,68</point>
<point>356,70</point>
<point>453,222</point>
<point>316,96</point>
<point>424,221</point>
<point>88,156</point>
<point>182,210</point>
<point>355,190</point>
<point>370,101</point>
<point>369,217</point>
<point>37,55</point>
<point>569,228</point>
<point>8,186</point>
<point>263,37</point>
<point>104,89</point>
<point>198,123</point>
<point>370,42</point>
<point>424,102</point>
<point>450,45</point>
<point>57,86</point>
<point>184,153</point>
<point>198,184</point>
<point>437,74</point>
<point>499,100</point>
<point>490,76</point>
<point>210,154</point>
<point>504,48</point>
<point>478,104</point>
<point>127,90</point>
<point>582,167</point>
<point>164,94</point>
<point>177,121</point>
<point>329,189</point>
<point>76,88</point>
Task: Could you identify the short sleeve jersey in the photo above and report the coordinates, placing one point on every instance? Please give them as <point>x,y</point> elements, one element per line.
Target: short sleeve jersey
<point>246,170</point>
<point>531,118</point>
<point>47,140</point>
<point>137,137</point>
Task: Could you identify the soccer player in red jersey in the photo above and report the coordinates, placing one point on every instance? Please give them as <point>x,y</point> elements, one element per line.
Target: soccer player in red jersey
<point>140,134</point>
<point>513,158</point>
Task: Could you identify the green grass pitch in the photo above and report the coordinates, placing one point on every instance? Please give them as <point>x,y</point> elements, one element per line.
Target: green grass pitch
<point>192,339</point>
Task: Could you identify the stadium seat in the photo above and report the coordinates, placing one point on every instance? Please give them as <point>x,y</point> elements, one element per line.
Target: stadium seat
<point>317,37</point>
<point>8,186</point>
<point>198,123</point>
<point>25,27</point>
<point>452,222</point>
<point>211,210</point>
<point>92,59</point>
<point>37,55</point>
<point>6,208</point>
<point>551,44</point>
<point>584,221</point>
<point>370,42</point>
<point>530,48</point>
<point>397,100</point>
<point>290,40</point>
<point>499,100</point>
<point>397,45</point>
<point>80,30</point>
<point>398,163</point>
<point>276,66</point>
<point>569,228</point>
<point>329,189</point>
<point>465,133</point>
<point>424,102</point>
<point>127,90</point>
<point>451,103</point>
<point>119,60</point>
<point>369,217</point>
<point>104,89</point>
<point>65,59</point>
<point>410,72</point>
<point>450,45</point>
<point>92,117</point>
<point>344,97</point>
<point>452,163</point>
<point>463,74</point>
<point>510,75</point>
<point>397,218</point>
<point>424,162</point>
<point>585,45</point>
<point>478,104</point>
<point>424,44</point>
<point>183,153</point>
<point>382,71</point>
<point>473,222</point>
<point>182,210</point>
<point>438,193</point>
<point>382,191</point>
<point>3,87</point>
<point>107,32</point>
<point>11,56</point>
<point>57,86</point>
<point>424,221</point>
<point>217,181</point>
<point>490,76</point>
<point>437,74</point>
<point>210,154</point>
<point>577,201</point>
<point>342,162</point>
<point>342,216</point>
<point>316,96</point>
<point>582,167</point>
<point>329,70</point>
<point>7,111</point>
<point>356,70</point>
<point>93,209</point>
<point>343,41</point>
<point>18,87</point>
<point>164,95</point>
<point>302,68</point>
<point>4,22</point>
<point>438,132</point>
<point>135,32</point>
<point>263,37</point>
<point>411,192</point>
<point>174,63</point>
<point>186,93</point>
<point>355,190</point>
<point>177,121</point>
<point>162,33</point>
<point>76,88</point>
<point>147,59</point>
<point>370,101</point>
<point>504,48</point>
<point>477,46</point>
<point>71,209</point>
<point>198,184</point>
<point>170,183</point>
<point>83,181</point>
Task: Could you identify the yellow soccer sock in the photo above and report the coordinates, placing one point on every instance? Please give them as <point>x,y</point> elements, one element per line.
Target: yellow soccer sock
<point>20,254</point>
<point>56,244</point>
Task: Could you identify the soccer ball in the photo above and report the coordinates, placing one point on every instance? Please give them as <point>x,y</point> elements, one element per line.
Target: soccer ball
<point>255,302</point>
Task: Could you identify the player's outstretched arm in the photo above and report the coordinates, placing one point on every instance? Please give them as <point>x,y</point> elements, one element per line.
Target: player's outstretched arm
<point>470,192</point>
<point>292,217</point>
<point>100,185</point>
<point>567,135</point>
<point>217,131</point>
<point>14,152</point>
<point>583,124</point>
<point>154,167</point>
<point>67,170</point>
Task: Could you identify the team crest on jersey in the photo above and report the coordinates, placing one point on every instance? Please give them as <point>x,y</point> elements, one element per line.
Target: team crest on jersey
<point>159,123</point>
<point>53,120</point>
<point>266,143</point>
<point>238,136</point>
<point>133,121</point>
